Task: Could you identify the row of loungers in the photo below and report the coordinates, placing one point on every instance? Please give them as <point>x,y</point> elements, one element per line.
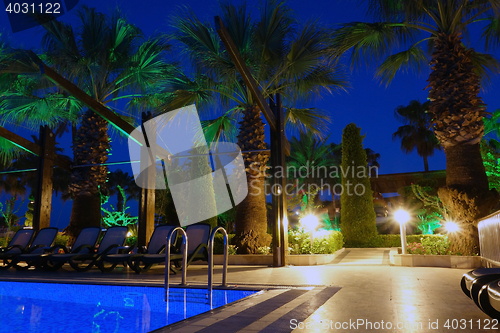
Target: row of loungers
<point>483,287</point>
<point>22,253</point>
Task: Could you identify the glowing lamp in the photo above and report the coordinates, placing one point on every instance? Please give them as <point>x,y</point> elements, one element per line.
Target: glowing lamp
<point>402,216</point>
<point>451,227</point>
<point>310,222</point>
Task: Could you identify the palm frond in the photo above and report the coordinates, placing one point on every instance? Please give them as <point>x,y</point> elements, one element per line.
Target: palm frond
<point>415,58</point>
<point>147,67</point>
<point>492,124</point>
<point>8,151</point>
<point>221,129</point>
<point>486,66</point>
<point>311,120</point>
<point>369,42</point>
<point>276,24</point>
<point>491,33</point>
<point>34,112</point>
<point>200,42</point>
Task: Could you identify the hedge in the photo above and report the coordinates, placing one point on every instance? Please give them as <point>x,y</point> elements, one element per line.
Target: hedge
<point>392,240</point>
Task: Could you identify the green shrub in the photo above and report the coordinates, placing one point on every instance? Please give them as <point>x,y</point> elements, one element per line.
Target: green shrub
<point>61,240</point>
<point>264,250</point>
<point>131,241</point>
<point>4,241</point>
<point>436,246</point>
<point>325,242</point>
<point>231,250</point>
<point>219,243</point>
<point>393,240</point>
<point>357,213</point>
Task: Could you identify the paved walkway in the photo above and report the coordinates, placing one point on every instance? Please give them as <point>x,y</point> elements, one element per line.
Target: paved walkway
<point>363,257</point>
<point>356,294</point>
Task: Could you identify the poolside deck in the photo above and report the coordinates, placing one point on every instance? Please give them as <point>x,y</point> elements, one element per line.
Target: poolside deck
<point>357,289</point>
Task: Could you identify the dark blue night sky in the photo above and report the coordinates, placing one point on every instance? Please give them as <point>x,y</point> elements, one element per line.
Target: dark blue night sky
<point>367,103</point>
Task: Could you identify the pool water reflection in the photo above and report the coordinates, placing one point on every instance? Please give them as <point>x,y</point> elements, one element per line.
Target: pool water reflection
<point>54,307</point>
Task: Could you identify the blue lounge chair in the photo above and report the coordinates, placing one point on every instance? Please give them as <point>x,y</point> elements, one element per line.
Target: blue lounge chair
<point>43,241</point>
<point>84,244</point>
<point>20,241</point>
<point>111,243</point>
<point>155,249</point>
<point>197,234</point>
<point>156,246</point>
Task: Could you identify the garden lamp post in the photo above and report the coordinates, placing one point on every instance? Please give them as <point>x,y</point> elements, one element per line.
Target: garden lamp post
<point>402,217</point>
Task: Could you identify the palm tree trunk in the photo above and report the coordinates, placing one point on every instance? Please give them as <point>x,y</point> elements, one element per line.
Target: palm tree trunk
<point>251,213</point>
<point>458,111</point>
<point>91,146</point>
<point>119,202</point>
<point>426,164</point>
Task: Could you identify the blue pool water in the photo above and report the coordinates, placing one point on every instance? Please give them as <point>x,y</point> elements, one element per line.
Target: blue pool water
<point>52,307</point>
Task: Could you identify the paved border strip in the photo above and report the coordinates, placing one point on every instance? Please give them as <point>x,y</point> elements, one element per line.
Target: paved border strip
<point>252,314</point>
<point>302,312</point>
<point>339,258</point>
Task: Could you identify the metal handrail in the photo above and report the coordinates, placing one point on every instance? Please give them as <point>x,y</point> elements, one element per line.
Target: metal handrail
<point>211,259</point>
<point>184,249</point>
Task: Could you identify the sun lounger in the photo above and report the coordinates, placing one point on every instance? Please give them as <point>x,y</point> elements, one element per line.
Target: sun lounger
<point>20,241</point>
<point>84,244</point>
<point>112,242</point>
<point>156,246</point>
<point>43,241</point>
<point>197,234</point>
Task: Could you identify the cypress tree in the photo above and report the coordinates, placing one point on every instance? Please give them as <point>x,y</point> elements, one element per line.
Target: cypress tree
<point>357,212</point>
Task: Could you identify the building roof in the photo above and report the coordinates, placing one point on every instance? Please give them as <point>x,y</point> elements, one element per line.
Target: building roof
<point>390,183</point>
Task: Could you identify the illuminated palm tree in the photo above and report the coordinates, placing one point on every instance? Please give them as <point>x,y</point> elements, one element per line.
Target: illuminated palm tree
<point>309,166</point>
<point>416,134</point>
<point>109,59</point>
<point>283,58</point>
<point>457,110</point>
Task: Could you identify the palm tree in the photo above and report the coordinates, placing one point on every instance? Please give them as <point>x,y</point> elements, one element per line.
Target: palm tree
<point>108,58</point>
<point>283,58</point>
<point>126,182</point>
<point>416,133</point>
<point>372,158</point>
<point>457,110</point>
<point>309,166</point>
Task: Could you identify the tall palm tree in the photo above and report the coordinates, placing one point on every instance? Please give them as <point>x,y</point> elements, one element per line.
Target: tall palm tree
<point>416,133</point>
<point>109,59</point>
<point>284,58</point>
<point>455,106</point>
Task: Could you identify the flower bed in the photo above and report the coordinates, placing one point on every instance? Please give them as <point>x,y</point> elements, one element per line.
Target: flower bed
<point>267,259</point>
<point>433,260</point>
<point>327,244</point>
<point>432,252</point>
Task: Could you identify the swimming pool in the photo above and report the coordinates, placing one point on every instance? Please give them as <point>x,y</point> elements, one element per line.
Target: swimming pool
<point>54,307</point>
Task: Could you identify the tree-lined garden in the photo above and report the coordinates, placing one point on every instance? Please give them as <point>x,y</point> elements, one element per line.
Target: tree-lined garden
<point>115,63</point>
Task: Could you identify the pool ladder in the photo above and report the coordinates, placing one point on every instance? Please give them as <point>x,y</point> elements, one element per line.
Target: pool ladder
<point>184,248</point>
